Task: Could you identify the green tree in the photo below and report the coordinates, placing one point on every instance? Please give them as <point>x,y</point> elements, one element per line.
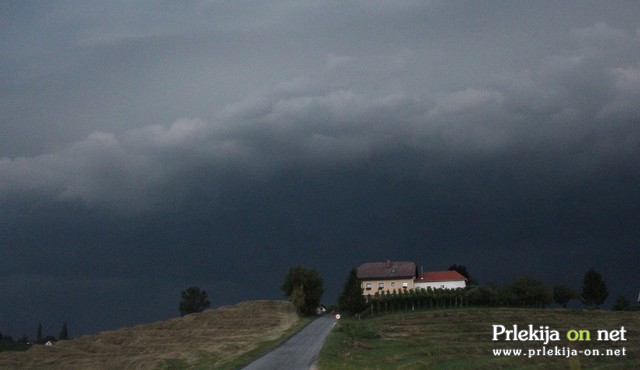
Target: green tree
<point>481,295</point>
<point>562,294</point>
<point>622,304</point>
<point>297,298</point>
<point>531,292</point>
<point>507,296</point>
<point>39,334</point>
<point>594,290</point>
<point>193,300</point>
<point>351,299</point>
<point>64,332</point>
<point>312,287</point>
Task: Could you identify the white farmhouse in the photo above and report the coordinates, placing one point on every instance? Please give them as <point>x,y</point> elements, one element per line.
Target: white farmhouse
<point>386,277</point>
<point>440,280</point>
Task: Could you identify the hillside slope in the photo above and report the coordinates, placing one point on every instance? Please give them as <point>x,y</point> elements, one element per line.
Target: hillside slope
<point>213,337</point>
<point>463,339</point>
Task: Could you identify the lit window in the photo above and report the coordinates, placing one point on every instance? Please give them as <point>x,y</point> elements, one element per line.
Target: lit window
<point>380,286</point>
<point>368,286</point>
<point>405,285</point>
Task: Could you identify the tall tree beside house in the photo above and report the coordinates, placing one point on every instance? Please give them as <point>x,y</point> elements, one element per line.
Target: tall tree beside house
<point>193,300</point>
<point>462,270</point>
<point>594,290</point>
<point>312,287</point>
<point>64,332</point>
<point>562,294</point>
<point>351,299</point>
<point>297,298</point>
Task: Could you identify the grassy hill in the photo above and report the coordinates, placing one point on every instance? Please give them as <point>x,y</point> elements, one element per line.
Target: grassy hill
<point>221,338</point>
<point>462,339</point>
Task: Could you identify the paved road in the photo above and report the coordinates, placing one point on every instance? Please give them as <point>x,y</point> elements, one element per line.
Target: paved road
<point>300,351</point>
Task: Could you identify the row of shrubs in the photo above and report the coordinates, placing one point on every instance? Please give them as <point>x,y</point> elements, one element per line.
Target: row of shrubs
<point>412,299</point>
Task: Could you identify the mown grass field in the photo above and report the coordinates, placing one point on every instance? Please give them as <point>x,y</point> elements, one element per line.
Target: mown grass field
<point>224,338</point>
<point>462,339</point>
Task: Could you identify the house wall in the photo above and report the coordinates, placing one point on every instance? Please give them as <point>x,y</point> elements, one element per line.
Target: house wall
<point>441,284</point>
<point>388,285</point>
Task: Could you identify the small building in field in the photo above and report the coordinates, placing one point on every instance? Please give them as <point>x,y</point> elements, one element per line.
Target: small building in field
<point>441,280</point>
<point>321,309</point>
<point>381,277</point>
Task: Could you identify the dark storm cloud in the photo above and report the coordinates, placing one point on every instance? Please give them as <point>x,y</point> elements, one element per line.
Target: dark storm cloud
<point>218,144</point>
<point>576,104</point>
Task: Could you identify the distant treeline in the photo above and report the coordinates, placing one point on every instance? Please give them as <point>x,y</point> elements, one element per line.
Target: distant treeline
<point>24,343</point>
<point>8,344</point>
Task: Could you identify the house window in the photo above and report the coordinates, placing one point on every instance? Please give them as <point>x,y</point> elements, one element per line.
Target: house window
<point>405,285</point>
<point>368,286</point>
<point>393,284</point>
<point>442,286</point>
<point>380,286</point>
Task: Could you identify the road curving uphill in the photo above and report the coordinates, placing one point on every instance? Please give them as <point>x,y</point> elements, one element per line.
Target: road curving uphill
<point>300,351</point>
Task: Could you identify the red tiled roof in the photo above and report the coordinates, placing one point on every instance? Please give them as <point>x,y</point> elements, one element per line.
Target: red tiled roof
<point>389,269</point>
<point>432,276</point>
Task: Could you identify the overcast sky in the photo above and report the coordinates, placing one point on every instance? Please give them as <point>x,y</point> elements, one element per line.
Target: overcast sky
<point>148,146</point>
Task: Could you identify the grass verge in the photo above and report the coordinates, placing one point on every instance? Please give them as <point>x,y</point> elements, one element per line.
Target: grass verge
<point>262,349</point>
